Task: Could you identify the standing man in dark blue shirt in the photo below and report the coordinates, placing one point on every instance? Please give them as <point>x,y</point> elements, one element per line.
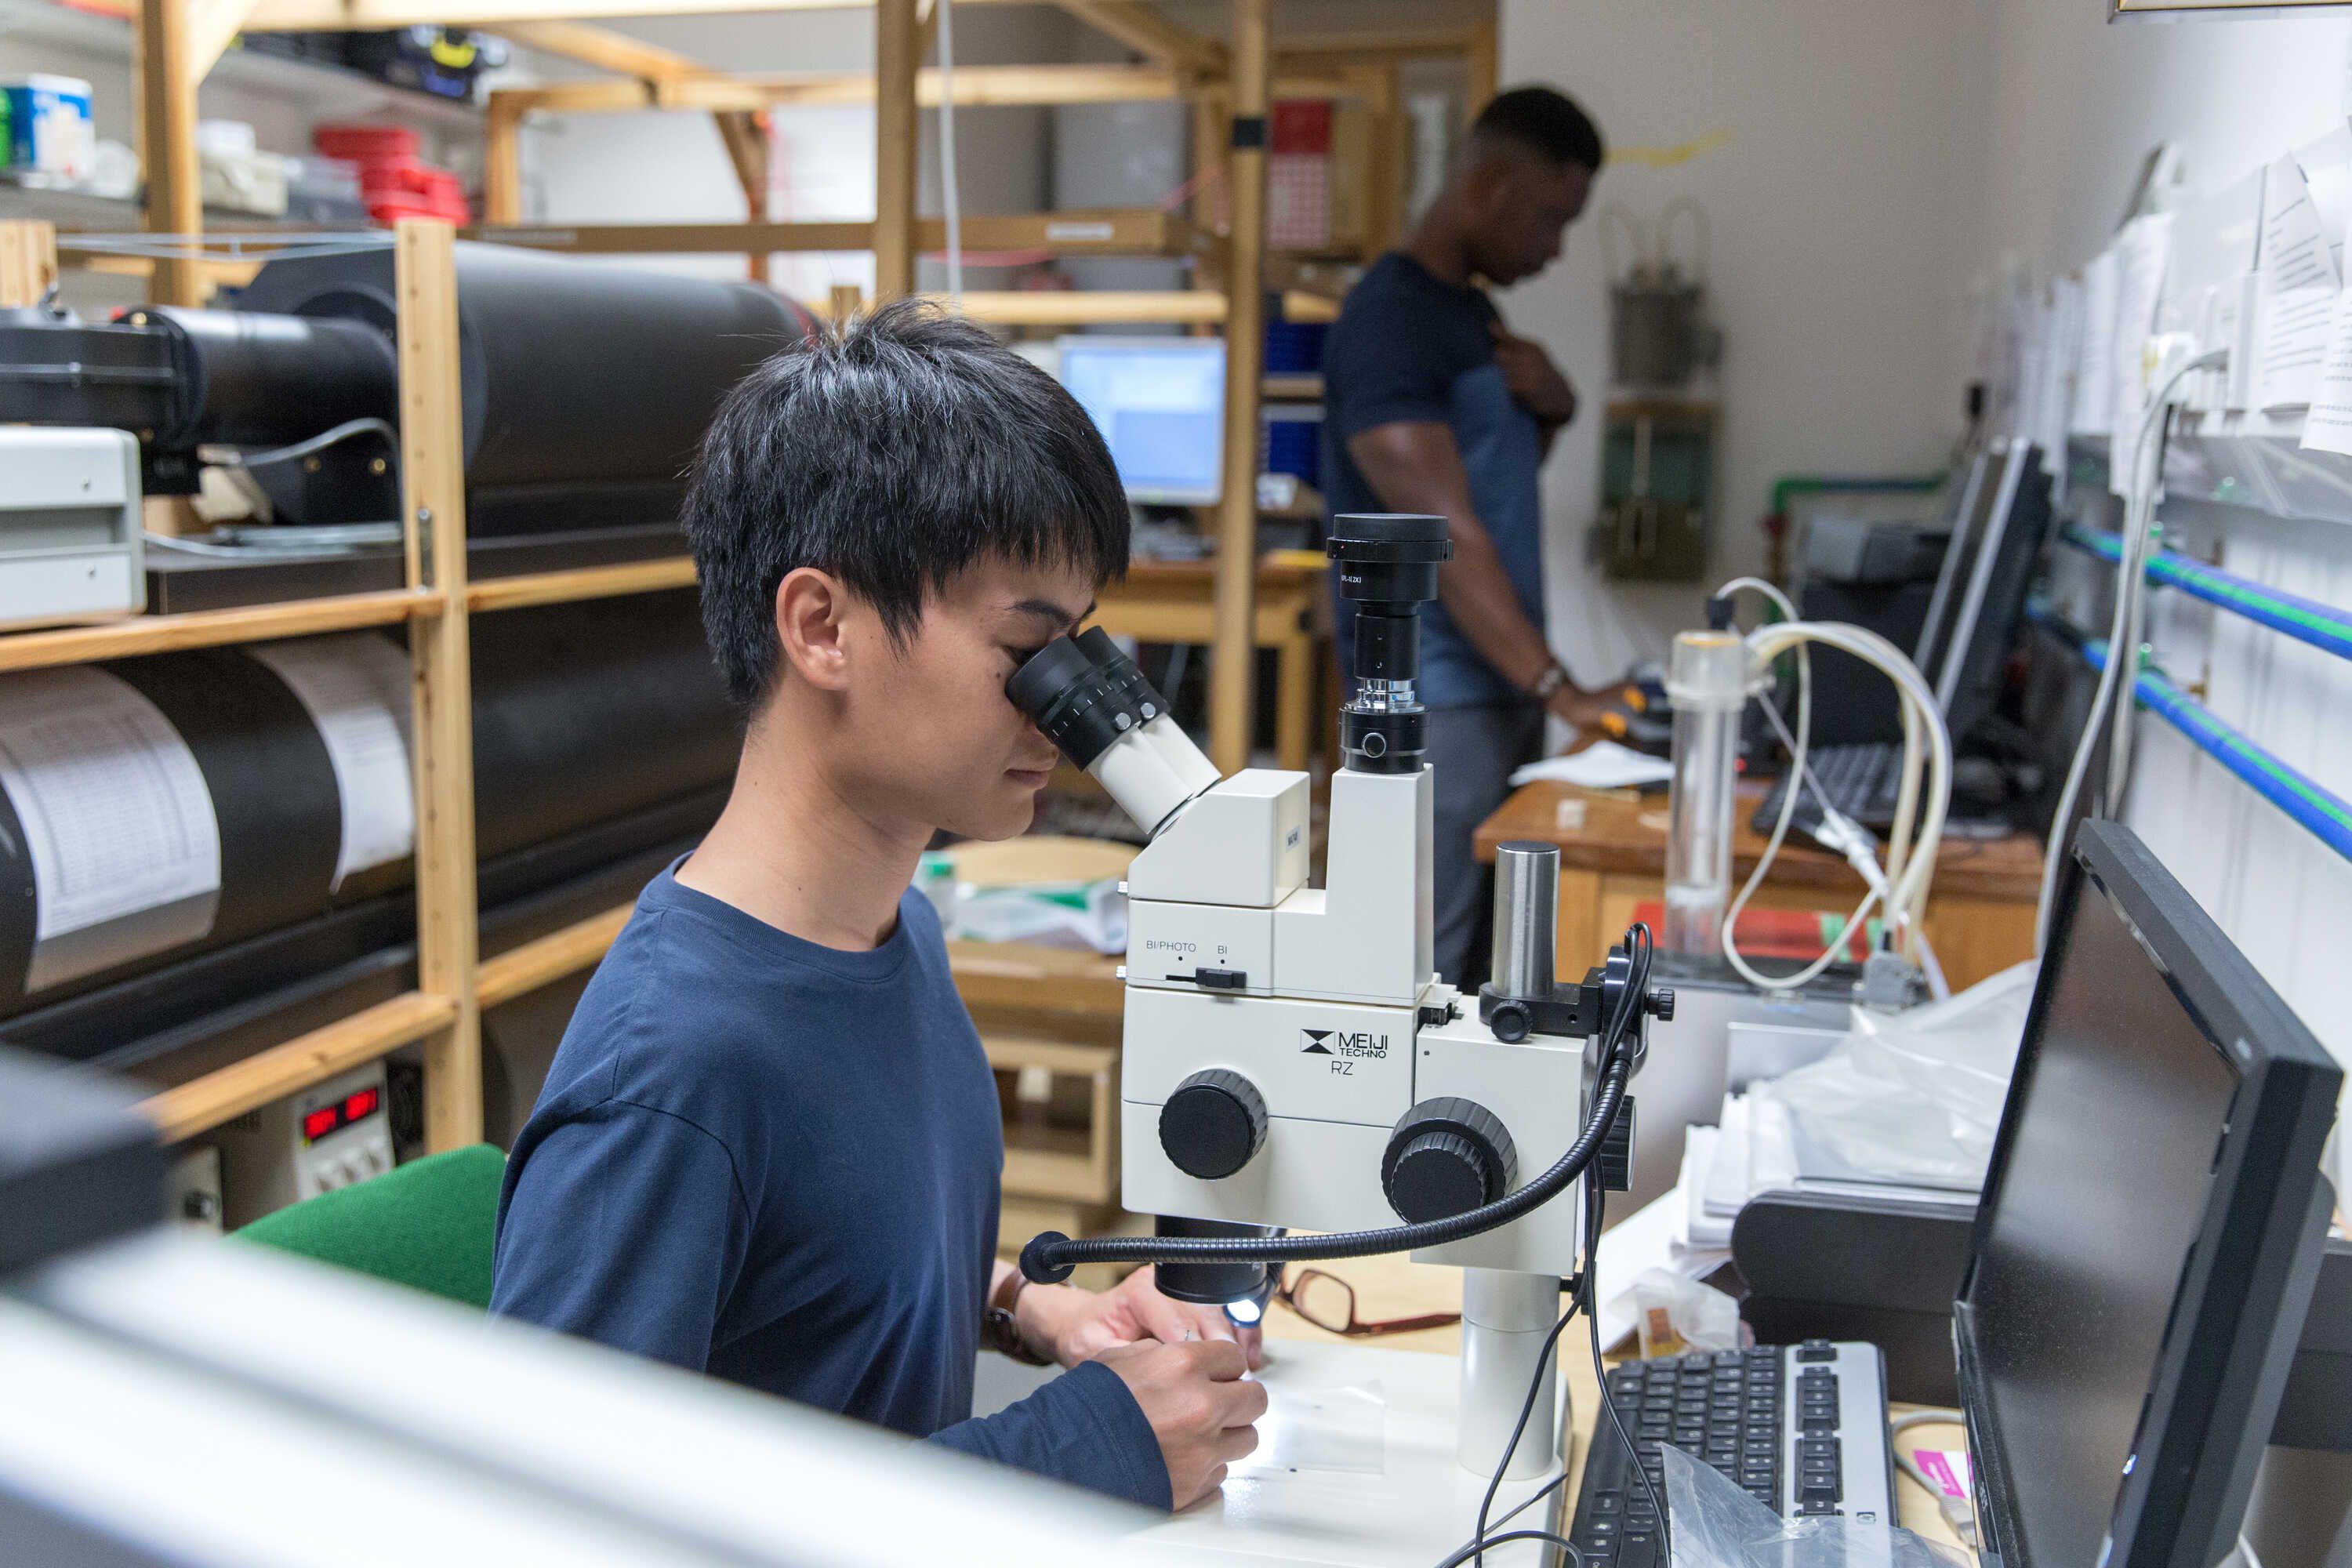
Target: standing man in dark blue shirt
<point>1433,405</point>
<point>769,1145</point>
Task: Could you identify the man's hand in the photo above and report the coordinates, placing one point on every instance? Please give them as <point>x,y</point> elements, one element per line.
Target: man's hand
<point>1535,382</point>
<point>1198,1407</point>
<point>1597,713</point>
<point>1072,1326</point>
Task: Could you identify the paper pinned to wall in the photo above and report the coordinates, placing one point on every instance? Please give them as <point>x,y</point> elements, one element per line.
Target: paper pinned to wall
<point>2095,346</point>
<point>356,688</point>
<point>2062,346</point>
<point>2143,251</point>
<point>2326,166</point>
<point>118,821</point>
<point>2294,248</point>
<point>2291,342</point>
<point>2327,428</point>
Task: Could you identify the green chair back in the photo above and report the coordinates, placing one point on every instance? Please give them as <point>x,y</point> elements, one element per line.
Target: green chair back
<point>427,1225</point>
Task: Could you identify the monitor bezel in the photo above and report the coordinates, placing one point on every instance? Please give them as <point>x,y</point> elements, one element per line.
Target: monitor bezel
<point>2238,1314</point>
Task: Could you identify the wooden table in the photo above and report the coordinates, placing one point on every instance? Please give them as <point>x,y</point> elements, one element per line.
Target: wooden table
<point>1173,602</point>
<point>1613,856</point>
<point>1396,1286</point>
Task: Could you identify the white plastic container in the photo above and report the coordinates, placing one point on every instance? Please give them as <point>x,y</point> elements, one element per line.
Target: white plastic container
<point>50,131</point>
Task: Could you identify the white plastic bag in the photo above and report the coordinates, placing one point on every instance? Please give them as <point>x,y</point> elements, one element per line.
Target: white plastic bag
<point>1912,1097</point>
<point>1712,1523</point>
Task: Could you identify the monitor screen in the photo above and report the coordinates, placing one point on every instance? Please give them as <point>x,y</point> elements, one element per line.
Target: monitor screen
<point>2101,1194</point>
<point>2149,1232</point>
<point>1160,403</point>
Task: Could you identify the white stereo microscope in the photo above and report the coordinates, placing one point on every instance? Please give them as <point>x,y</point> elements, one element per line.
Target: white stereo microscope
<point>1290,1058</point>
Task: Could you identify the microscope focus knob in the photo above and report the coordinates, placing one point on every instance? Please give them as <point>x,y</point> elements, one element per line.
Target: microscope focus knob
<point>1447,1157</point>
<point>1213,1124</point>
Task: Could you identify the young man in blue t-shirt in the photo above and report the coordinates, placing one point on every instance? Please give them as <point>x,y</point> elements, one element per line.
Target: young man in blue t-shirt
<point>769,1145</point>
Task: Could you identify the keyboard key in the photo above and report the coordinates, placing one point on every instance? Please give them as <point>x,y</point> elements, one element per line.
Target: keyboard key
<point>1816,1350</point>
<point>1815,1509</point>
<point>1818,1448</point>
<point>1608,1502</point>
<point>1602,1529</point>
<point>1817,1491</point>
<point>1818,1427</point>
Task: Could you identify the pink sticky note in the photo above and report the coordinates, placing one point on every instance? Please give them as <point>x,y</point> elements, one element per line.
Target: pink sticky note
<point>1949,1469</point>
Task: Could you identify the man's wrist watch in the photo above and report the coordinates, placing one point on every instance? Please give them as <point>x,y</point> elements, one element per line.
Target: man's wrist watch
<point>1000,1331</point>
<point>1554,676</point>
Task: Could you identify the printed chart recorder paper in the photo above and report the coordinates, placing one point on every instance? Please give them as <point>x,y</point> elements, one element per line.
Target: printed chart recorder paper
<point>118,821</point>
<point>355,687</point>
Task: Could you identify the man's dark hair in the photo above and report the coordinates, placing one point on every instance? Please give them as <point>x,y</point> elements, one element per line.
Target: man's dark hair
<point>892,454</point>
<point>1537,120</point>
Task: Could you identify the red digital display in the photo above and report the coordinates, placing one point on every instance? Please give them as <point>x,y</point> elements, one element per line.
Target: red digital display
<point>327,1119</point>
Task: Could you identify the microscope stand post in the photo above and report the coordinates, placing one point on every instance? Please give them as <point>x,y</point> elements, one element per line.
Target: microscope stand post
<point>1504,1319</point>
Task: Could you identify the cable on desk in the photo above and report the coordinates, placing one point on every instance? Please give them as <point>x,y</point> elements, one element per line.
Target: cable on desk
<point>1562,1542</point>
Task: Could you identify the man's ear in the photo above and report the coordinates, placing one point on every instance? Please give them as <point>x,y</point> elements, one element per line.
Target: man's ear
<point>810,610</point>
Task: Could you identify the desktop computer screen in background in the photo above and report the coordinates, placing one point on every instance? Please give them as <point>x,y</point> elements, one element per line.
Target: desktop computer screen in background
<point>1160,403</point>
<point>2148,1235</point>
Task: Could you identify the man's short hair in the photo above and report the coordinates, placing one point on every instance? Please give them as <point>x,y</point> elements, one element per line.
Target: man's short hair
<point>1537,120</point>
<point>892,454</point>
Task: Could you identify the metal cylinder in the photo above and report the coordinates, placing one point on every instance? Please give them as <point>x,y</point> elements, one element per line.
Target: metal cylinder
<point>1526,910</point>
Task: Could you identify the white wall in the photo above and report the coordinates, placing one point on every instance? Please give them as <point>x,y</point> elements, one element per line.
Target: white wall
<point>2077,102</point>
<point>1841,209</point>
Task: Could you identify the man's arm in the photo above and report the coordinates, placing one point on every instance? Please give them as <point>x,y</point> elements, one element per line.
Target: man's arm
<point>624,1226</point>
<point>1414,466</point>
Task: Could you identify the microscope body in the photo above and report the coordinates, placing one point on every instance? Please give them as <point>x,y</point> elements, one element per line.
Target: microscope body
<point>1316,1011</point>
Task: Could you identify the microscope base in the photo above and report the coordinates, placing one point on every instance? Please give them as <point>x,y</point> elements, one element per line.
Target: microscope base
<point>1356,1465</point>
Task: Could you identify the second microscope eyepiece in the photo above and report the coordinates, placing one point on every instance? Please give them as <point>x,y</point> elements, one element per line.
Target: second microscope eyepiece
<point>1388,569</point>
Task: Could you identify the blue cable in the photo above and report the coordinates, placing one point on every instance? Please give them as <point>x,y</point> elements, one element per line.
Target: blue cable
<point>2325,815</point>
<point>2305,620</point>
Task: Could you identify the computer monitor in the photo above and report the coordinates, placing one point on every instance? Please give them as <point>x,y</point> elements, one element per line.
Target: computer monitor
<point>1971,509</point>
<point>1160,403</point>
<point>2148,1235</point>
<point>1992,595</point>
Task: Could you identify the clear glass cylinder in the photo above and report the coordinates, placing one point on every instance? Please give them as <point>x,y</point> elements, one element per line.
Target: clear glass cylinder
<point>1707,680</point>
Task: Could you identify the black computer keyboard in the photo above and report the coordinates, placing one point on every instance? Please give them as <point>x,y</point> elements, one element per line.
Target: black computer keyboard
<point>1859,782</point>
<point>1801,1428</point>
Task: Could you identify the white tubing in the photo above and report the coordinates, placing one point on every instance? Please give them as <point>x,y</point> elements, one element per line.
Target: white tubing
<point>2139,516</point>
<point>1906,886</point>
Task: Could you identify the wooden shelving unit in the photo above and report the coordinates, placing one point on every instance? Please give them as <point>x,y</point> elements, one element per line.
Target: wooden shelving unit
<point>1066,1006</point>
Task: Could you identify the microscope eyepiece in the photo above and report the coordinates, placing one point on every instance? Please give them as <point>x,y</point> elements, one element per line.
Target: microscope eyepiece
<point>1076,701</point>
<point>1091,700</point>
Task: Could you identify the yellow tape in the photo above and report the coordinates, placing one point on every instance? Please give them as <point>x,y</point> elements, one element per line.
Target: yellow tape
<point>1667,157</point>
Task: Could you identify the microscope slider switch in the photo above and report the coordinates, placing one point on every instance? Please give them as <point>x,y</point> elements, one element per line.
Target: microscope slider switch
<point>1213,1124</point>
